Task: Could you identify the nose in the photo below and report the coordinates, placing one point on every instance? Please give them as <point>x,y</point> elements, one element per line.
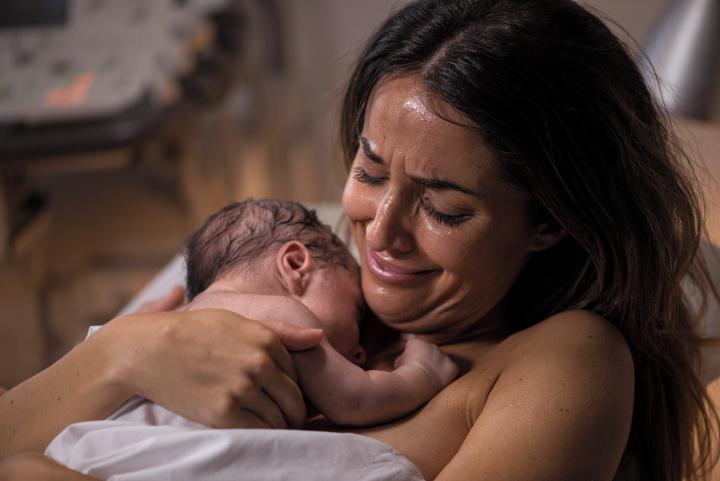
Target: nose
<point>388,230</point>
<point>358,355</point>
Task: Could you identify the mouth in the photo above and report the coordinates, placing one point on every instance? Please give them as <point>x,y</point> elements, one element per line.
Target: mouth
<point>391,273</point>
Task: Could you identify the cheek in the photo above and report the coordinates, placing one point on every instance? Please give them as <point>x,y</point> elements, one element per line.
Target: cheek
<point>439,241</point>
<point>359,201</point>
<point>473,254</point>
<point>348,196</point>
<point>498,257</point>
<point>350,199</point>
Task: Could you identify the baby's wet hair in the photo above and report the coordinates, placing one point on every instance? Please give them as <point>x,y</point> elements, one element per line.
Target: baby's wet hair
<point>235,238</point>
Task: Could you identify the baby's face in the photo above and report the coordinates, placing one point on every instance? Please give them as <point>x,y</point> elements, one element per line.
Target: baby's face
<point>338,303</point>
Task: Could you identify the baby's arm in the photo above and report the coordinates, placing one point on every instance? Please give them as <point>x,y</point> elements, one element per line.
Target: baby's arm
<point>348,395</point>
<point>344,392</point>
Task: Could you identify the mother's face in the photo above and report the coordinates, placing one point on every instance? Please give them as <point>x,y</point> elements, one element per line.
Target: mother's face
<point>441,236</point>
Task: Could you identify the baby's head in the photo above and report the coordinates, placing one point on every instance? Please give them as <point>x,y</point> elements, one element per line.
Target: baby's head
<point>242,238</point>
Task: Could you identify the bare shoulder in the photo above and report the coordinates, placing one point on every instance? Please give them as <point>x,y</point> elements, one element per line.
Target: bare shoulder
<point>575,333</point>
<point>560,406</point>
<point>578,346</point>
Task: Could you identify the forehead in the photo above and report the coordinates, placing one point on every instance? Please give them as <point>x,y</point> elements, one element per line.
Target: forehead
<point>403,119</point>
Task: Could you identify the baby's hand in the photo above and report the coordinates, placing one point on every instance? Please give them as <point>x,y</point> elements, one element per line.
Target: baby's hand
<point>428,357</point>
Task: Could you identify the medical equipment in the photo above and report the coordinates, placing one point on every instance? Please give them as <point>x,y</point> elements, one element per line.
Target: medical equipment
<point>82,76</point>
<point>683,51</point>
<point>89,74</point>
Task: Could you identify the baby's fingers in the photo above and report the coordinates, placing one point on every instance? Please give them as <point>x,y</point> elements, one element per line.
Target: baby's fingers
<point>447,371</point>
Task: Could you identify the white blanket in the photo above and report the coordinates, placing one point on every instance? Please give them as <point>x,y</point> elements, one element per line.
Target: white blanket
<point>143,441</point>
<point>127,450</point>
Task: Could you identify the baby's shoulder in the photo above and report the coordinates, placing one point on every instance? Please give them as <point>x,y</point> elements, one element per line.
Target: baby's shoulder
<point>260,307</point>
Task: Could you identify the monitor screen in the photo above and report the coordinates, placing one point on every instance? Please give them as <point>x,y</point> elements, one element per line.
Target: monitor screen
<point>32,13</point>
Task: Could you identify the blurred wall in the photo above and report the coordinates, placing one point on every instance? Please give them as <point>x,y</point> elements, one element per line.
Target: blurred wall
<point>324,37</point>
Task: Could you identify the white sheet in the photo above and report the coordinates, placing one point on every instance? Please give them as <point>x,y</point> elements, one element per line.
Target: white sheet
<point>133,451</point>
<point>143,441</point>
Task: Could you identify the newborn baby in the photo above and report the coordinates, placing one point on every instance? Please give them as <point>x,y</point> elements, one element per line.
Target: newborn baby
<point>273,260</point>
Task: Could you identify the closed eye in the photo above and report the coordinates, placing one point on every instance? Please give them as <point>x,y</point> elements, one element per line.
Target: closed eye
<point>362,176</point>
<point>442,218</point>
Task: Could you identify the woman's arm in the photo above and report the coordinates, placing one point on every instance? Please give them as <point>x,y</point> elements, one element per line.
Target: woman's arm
<point>35,466</point>
<point>79,387</point>
<point>561,410</point>
<point>213,367</point>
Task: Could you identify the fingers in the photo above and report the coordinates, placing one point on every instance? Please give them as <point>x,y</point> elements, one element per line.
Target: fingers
<point>172,300</point>
<point>290,408</point>
<point>249,411</point>
<point>295,338</point>
<point>262,390</point>
<point>431,359</point>
<point>263,396</point>
<point>274,376</point>
<point>218,368</point>
<point>279,409</point>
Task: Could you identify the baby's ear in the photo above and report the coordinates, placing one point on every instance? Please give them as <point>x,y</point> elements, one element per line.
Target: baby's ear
<point>295,265</point>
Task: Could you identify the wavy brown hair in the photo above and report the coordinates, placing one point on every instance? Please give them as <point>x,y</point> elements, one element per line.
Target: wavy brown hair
<point>561,103</point>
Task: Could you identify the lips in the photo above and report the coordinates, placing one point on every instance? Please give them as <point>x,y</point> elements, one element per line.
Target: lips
<point>391,273</point>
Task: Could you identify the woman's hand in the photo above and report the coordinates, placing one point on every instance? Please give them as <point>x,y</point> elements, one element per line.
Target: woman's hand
<point>35,466</point>
<point>212,366</point>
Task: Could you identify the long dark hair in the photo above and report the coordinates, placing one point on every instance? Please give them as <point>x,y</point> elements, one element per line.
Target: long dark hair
<point>560,102</point>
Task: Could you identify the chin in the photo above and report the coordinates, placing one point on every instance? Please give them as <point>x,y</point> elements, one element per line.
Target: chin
<point>398,312</point>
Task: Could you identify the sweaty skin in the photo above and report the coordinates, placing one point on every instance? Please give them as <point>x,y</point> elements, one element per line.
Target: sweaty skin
<point>441,239</point>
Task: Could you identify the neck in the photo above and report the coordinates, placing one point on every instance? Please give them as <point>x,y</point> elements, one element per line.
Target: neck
<point>492,326</point>
<point>248,283</point>
<point>481,332</point>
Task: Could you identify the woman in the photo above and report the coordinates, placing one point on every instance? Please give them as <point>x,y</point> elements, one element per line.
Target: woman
<point>516,199</point>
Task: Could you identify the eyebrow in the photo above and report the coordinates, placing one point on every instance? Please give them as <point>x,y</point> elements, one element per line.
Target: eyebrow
<point>368,151</point>
<point>435,184</point>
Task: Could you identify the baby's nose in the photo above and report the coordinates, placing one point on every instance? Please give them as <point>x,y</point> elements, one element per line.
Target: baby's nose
<point>358,355</point>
